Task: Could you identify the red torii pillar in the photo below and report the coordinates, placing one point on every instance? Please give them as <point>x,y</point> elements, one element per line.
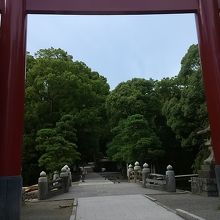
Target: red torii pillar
<point>208,28</point>
<point>12,71</point>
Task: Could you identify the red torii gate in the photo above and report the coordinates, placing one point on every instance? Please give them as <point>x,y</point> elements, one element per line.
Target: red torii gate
<point>12,71</point>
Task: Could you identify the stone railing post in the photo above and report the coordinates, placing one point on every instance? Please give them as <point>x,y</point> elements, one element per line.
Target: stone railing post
<point>130,170</point>
<point>145,173</point>
<point>137,169</point>
<point>43,186</point>
<point>69,174</point>
<point>170,179</point>
<point>70,177</point>
<point>65,179</point>
<point>55,175</point>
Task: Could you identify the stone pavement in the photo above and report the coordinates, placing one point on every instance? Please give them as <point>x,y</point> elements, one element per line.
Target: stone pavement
<point>121,207</point>
<point>205,207</point>
<point>95,186</point>
<point>96,191</point>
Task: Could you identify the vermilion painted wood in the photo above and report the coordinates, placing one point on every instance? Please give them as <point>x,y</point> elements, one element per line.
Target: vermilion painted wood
<point>38,6</point>
<point>12,58</point>
<point>1,5</point>
<point>12,72</point>
<point>208,26</point>
<point>111,6</point>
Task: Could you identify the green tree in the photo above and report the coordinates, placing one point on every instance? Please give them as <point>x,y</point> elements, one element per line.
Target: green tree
<point>57,86</point>
<point>136,96</point>
<point>57,145</point>
<point>186,111</point>
<point>130,99</point>
<point>134,140</point>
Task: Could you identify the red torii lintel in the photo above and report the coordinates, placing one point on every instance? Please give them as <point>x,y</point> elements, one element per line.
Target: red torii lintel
<point>84,7</point>
<point>10,31</point>
<point>109,7</point>
<point>12,63</point>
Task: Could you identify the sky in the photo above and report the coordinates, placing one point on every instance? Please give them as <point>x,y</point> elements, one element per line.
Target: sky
<point>118,47</point>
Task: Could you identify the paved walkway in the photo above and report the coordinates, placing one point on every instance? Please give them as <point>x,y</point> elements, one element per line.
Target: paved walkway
<point>123,207</point>
<point>100,199</point>
<point>95,185</point>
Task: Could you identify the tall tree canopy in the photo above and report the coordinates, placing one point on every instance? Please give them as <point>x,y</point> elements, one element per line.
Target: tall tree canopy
<point>132,109</point>
<point>185,111</point>
<point>136,96</point>
<point>70,112</point>
<point>174,109</point>
<point>57,145</point>
<point>134,139</point>
<point>57,86</point>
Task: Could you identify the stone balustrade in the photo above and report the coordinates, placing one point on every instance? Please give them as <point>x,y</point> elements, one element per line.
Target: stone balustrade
<point>60,183</point>
<point>152,180</point>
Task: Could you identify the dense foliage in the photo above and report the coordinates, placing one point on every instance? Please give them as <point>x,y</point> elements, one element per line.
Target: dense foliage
<point>57,145</point>
<point>132,109</point>
<point>171,112</point>
<point>64,112</point>
<point>134,138</point>
<point>71,117</point>
<point>186,110</point>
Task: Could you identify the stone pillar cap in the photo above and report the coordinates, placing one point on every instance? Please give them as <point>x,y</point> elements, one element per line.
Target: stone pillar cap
<point>145,165</point>
<point>43,174</point>
<point>169,167</point>
<point>64,169</point>
<point>136,163</point>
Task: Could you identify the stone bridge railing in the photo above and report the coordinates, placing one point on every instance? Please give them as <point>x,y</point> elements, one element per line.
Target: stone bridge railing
<point>152,180</point>
<point>60,183</point>
<point>165,181</point>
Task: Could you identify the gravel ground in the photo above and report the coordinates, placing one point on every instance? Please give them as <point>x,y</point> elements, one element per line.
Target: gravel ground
<point>47,210</point>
